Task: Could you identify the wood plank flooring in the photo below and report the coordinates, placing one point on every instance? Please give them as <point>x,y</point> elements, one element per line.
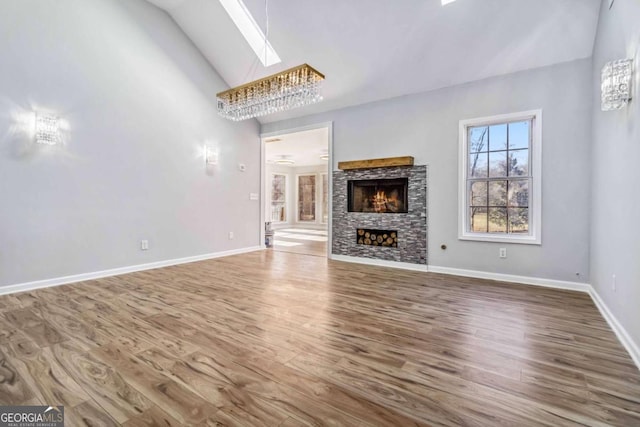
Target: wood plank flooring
<point>282,339</point>
<point>301,241</point>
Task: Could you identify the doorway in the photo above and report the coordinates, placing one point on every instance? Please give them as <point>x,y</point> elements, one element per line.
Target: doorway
<point>297,189</point>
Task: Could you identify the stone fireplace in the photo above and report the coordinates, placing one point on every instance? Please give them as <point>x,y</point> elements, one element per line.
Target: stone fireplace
<point>381,213</point>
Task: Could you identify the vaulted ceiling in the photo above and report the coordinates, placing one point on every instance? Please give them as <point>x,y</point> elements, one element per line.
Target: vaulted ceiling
<point>377,49</point>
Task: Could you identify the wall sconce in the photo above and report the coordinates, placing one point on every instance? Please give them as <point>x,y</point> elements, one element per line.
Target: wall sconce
<point>47,129</point>
<point>210,156</point>
<point>616,84</point>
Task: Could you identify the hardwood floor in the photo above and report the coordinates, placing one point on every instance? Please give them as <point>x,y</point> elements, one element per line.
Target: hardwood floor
<point>301,241</point>
<point>281,339</point>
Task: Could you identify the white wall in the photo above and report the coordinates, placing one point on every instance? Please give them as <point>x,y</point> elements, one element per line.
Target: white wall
<point>139,101</point>
<point>615,168</point>
<point>426,126</point>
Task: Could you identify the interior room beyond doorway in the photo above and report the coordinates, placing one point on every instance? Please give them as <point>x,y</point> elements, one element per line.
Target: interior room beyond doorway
<point>297,196</point>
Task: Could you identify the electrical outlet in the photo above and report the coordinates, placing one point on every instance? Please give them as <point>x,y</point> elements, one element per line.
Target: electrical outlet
<point>613,283</point>
<point>231,236</point>
<point>144,245</point>
<point>253,196</point>
<point>502,253</point>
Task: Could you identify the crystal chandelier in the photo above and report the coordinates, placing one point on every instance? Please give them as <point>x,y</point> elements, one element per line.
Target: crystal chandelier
<point>288,89</point>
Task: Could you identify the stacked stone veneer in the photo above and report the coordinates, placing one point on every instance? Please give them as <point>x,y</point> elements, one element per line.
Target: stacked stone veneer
<point>411,226</point>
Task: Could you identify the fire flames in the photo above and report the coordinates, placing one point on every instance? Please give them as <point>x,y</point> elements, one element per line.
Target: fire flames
<point>382,202</point>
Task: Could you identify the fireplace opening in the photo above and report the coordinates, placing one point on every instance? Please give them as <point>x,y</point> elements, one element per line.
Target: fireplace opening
<point>378,195</point>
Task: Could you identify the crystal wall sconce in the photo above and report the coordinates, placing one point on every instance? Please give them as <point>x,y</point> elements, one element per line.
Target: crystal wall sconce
<point>47,129</point>
<point>210,156</point>
<point>616,84</point>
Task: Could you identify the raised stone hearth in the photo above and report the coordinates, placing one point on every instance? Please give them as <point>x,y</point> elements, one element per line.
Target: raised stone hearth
<point>411,227</point>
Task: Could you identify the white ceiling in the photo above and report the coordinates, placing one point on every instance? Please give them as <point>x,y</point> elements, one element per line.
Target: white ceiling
<point>376,49</point>
<point>304,148</point>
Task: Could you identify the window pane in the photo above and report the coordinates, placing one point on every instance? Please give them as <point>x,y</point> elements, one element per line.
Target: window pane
<point>519,163</point>
<point>278,188</point>
<point>278,212</point>
<point>519,193</point>
<point>519,135</point>
<point>478,194</point>
<point>498,193</point>
<point>498,177</point>
<point>519,220</point>
<point>307,198</point>
<point>497,220</point>
<point>478,167</point>
<point>478,222</point>
<point>278,198</point>
<point>498,137</point>
<point>478,139</point>
<point>498,164</point>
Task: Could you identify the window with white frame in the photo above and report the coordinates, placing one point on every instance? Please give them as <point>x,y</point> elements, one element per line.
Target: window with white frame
<point>278,198</point>
<point>500,193</point>
<point>306,198</point>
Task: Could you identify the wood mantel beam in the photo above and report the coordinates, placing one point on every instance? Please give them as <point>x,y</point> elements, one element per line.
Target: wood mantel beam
<point>387,162</point>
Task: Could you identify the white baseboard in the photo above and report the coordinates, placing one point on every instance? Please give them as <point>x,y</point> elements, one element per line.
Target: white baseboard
<point>536,281</point>
<point>629,344</point>
<point>379,262</point>
<point>39,284</point>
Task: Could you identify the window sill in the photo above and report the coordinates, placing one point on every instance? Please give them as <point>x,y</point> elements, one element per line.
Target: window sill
<point>523,240</point>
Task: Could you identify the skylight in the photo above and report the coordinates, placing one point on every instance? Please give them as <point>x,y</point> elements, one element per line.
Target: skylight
<point>251,31</point>
<point>444,2</point>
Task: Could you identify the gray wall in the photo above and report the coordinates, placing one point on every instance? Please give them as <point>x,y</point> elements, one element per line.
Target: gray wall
<point>426,126</point>
<point>139,101</point>
<point>615,227</point>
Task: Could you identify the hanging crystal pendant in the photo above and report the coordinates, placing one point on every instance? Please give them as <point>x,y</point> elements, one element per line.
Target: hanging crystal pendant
<point>289,89</point>
<point>616,84</point>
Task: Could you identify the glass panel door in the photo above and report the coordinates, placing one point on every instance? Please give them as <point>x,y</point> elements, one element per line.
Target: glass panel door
<point>307,198</point>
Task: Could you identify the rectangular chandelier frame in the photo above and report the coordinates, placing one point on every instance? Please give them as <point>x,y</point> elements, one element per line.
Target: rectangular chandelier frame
<point>282,91</point>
